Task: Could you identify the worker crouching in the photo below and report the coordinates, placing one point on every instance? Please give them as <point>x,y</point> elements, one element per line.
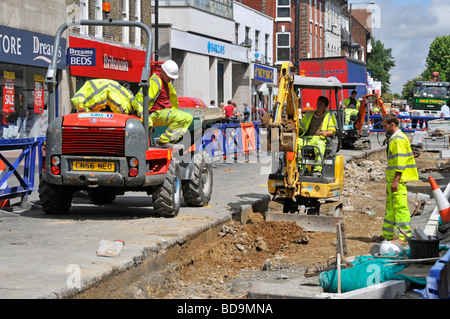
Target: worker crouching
<point>163,105</point>
<point>102,94</point>
<point>315,127</point>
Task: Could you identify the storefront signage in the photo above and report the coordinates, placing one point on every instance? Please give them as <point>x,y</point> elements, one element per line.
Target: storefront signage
<point>193,43</point>
<point>29,48</point>
<point>263,73</point>
<point>216,48</point>
<point>94,59</point>
<point>81,56</point>
<point>8,92</point>
<point>38,93</point>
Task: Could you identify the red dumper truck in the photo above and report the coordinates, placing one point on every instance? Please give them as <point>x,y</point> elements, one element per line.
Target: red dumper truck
<point>107,154</point>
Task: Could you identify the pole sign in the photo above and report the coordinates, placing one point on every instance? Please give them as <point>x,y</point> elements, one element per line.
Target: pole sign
<point>8,92</point>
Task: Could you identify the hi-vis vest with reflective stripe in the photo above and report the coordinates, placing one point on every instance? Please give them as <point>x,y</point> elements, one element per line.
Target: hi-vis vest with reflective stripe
<point>347,102</point>
<point>153,92</point>
<point>400,158</point>
<point>95,95</point>
<point>328,123</point>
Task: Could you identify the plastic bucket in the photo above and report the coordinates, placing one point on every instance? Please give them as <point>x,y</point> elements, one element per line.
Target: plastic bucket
<point>424,248</point>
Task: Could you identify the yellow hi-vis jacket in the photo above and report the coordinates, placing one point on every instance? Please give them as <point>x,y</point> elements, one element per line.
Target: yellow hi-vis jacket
<point>95,95</point>
<point>155,85</point>
<point>400,158</point>
<point>347,102</point>
<point>328,123</point>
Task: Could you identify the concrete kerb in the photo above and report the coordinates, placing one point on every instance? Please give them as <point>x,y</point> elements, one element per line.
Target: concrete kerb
<point>160,256</point>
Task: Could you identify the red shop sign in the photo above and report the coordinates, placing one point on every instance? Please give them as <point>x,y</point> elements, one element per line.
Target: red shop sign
<point>111,61</point>
<point>38,93</point>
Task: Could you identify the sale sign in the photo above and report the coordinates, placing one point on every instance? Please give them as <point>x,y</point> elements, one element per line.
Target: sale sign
<point>8,92</point>
<point>38,93</point>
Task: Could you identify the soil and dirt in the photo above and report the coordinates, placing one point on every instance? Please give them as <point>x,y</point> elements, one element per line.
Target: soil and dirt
<point>274,251</point>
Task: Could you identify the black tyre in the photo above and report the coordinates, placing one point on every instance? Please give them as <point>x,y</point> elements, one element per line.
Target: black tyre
<point>167,197</point>
<point>101,196</point>
<point>55,199</point>
<point>197,191</point>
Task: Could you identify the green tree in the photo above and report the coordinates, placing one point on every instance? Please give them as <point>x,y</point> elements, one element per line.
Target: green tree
<point>408,89</point>
<point>438,59</point>
<point>380,62</point>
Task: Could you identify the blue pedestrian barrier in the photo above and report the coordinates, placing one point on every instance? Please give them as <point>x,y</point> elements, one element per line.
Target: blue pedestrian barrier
<point>28,146</point>
<point>438,283</point>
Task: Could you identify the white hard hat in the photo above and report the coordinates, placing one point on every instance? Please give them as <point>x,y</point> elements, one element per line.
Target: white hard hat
<point>171,69</point>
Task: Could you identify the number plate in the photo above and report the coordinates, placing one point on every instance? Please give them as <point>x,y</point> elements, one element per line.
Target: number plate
<point>93,166</point>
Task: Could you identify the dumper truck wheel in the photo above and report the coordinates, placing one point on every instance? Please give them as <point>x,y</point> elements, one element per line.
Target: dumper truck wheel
<point>167,196</point>
<point>197,191</point>
<point>55,199</point>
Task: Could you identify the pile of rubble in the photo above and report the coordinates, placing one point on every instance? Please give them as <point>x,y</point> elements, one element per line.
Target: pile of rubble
<point>356,176</point>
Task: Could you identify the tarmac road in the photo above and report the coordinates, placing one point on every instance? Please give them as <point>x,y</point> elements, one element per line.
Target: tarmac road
<point>51,256</point>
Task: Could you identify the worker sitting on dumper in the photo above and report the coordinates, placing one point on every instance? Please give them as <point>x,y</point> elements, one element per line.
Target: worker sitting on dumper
<point>314,127</point>
<point>351,107</point>
<point>163,105</point>
<point>103,95</point>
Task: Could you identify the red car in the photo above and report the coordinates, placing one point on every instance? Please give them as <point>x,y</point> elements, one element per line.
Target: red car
<point>191,102</point>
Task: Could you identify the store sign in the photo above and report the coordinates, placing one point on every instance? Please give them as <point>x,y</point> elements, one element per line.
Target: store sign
<point>38,93</point>
<point>81,56</point>
<point>29,48</point>
<point>102,60</point>
<point>263,73</point>
<point>8,92</point>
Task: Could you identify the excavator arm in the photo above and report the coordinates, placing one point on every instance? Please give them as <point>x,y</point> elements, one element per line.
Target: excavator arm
<point>376,101</point>
<point>286,119</point>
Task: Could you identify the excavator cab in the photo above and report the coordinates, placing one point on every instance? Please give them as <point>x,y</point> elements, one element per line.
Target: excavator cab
<point>358,126</point>
<point>294,180</point>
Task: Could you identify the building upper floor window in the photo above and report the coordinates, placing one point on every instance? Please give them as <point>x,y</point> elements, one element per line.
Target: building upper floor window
<point>283,8</point>
<point>283,47</point>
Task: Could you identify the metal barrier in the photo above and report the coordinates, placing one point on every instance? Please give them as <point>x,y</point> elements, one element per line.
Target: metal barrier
<point>220,141</point>
<point>234,139</point>
<point>28,156</point>
<point>407,123</point>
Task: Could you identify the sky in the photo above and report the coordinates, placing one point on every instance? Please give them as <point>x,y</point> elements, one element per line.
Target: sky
<point>408,27</point>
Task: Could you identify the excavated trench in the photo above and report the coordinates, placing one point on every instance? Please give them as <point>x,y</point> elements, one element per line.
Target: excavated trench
<point>227,260</point>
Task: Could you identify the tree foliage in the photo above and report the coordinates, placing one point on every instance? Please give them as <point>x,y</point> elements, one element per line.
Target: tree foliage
<point>380,62</point>
<point>408,89</point>
<point>438,59</point>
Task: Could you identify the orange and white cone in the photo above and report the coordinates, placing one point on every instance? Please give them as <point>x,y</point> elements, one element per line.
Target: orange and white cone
<point>441,202</point>
<point>3,203</point>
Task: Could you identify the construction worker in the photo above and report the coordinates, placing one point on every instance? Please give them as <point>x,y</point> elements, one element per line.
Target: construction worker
<point>351,107</point>
<point>314,127</point>
<point>401,168</point>
<point>163,105</point>
<point>102,94</point>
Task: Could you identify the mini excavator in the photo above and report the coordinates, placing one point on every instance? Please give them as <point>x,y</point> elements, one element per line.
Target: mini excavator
<point>293,177</point>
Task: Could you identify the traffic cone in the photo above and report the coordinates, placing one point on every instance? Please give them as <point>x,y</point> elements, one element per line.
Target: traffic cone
<point>441,202</point>
<point>3,203</point>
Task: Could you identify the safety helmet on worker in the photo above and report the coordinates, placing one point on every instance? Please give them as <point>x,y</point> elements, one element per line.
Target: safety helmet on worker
<point>171,69</point>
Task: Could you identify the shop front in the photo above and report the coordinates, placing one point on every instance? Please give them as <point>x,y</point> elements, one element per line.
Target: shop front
<point>24,59</point>
<point>263,78</point>
<point>90,59</point>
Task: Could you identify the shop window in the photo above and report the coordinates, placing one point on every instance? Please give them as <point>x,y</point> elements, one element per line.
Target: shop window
<point>23,86</point>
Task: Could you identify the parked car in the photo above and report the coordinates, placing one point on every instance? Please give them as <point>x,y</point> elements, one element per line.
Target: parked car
<point>191,102</point>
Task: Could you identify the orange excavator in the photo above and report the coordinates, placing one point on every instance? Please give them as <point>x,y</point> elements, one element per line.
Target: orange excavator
<point>371,102</point>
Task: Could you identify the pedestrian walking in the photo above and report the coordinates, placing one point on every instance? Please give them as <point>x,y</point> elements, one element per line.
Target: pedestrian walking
<point>401,168</point>
<point>246,113</point>
<point>212,104</point>
<point>445,111</point>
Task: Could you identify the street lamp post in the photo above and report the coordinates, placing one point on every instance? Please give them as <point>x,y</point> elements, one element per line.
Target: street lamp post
<point>350,24</point>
